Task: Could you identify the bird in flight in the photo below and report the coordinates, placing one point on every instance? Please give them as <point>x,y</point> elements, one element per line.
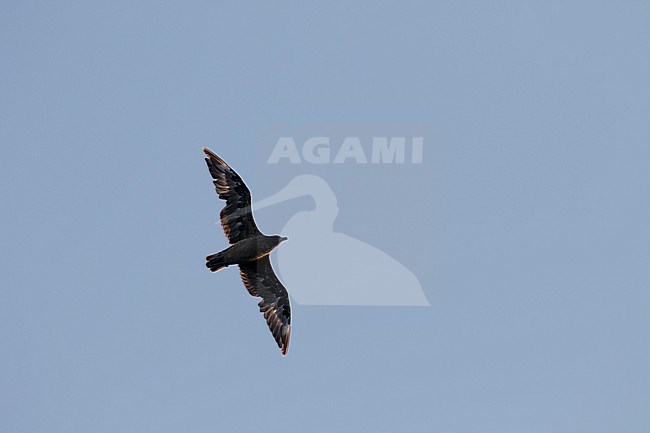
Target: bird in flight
<point>249,249</point>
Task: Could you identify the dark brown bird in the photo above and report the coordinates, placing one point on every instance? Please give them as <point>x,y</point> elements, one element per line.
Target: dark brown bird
<point>249,249</point>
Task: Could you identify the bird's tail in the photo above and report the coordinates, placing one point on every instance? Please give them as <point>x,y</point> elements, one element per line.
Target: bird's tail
<point>215,261</point>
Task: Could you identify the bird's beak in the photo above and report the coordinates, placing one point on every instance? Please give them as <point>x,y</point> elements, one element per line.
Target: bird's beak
<point>283,238</point>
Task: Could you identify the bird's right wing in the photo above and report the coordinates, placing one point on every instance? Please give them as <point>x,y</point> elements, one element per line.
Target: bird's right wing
<point>260,280</point>
<point>237,216</point>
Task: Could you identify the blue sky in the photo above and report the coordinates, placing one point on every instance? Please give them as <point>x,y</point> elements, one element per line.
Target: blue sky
<point>526,223</point>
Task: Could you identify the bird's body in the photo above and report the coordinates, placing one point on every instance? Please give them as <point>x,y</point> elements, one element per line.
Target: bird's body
<point>249,249</point>
<point>245,250</point>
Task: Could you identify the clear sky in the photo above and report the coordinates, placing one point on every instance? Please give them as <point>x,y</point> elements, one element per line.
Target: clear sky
<point>526,223</point>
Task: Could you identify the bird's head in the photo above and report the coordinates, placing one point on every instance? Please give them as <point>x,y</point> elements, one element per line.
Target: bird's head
<point>278,239</point>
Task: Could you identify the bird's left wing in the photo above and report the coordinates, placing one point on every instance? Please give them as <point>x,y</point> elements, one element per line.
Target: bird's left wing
<point>260,280</point>
<point>237,217</point>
